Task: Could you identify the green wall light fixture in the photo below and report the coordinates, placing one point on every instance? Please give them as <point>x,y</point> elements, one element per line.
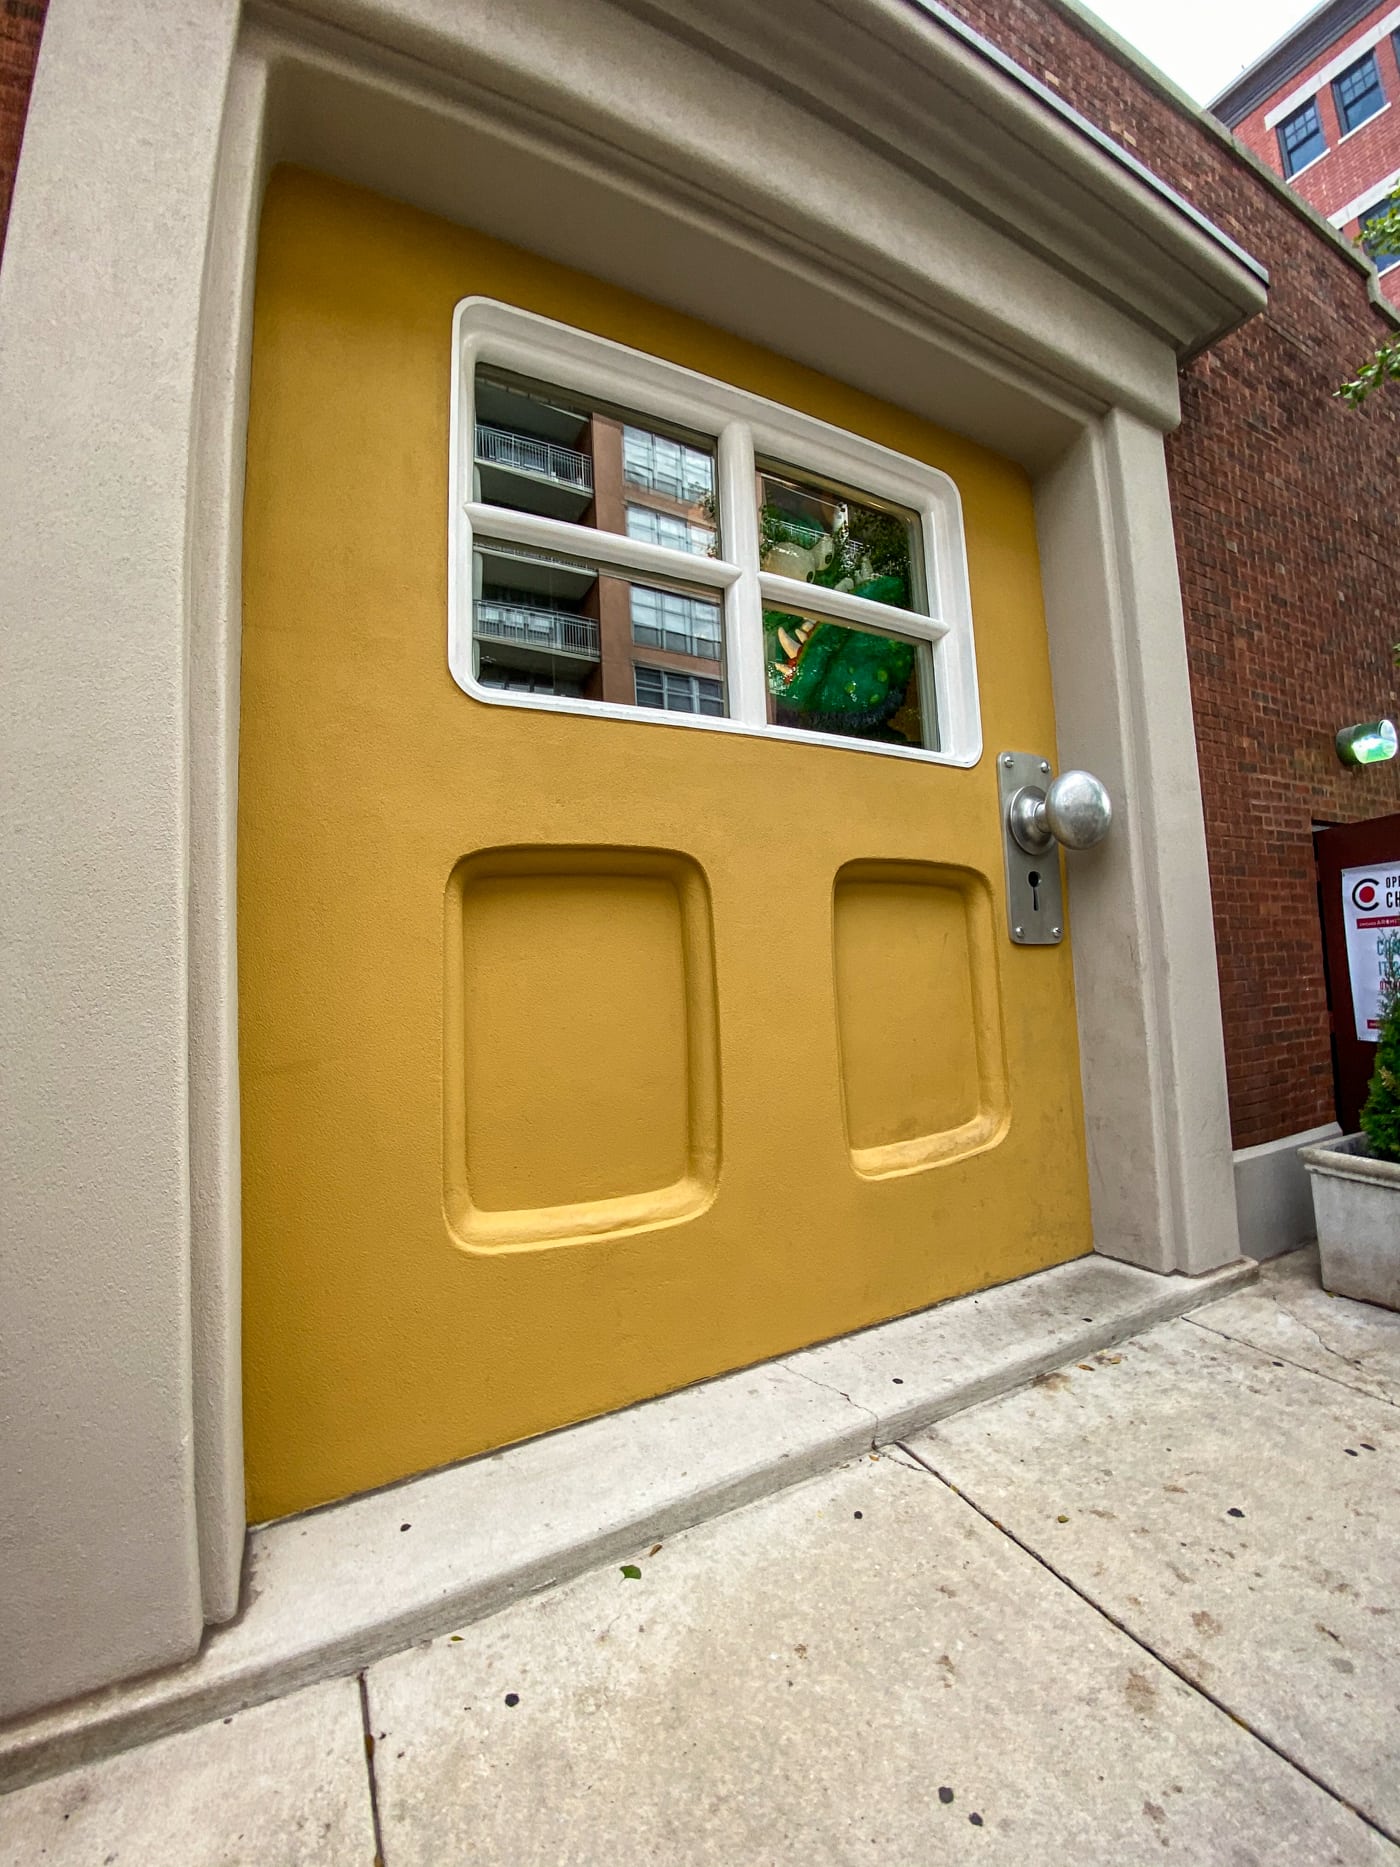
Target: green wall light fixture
<point>1370,743</point>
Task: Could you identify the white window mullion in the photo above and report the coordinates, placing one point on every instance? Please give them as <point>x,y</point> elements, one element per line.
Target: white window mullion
<point>841,606</point>
<point>613,550</point>
<point>738,519</point>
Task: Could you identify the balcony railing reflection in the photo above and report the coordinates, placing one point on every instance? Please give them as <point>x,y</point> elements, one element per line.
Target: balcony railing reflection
<point>538,628</point>
<point>527,453</point>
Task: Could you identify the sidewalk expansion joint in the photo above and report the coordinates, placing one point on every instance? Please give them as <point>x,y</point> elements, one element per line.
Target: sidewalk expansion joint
<point>371,1778</point>
<point>1146,1646</point>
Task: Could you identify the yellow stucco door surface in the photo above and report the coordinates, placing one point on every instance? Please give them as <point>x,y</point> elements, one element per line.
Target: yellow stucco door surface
<point>626,989</point>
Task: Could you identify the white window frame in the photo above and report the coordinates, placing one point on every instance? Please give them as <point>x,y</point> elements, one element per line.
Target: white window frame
<point>746,428</point>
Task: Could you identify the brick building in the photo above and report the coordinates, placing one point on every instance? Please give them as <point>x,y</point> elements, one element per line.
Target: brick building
<point>1316,107</point>
<point>21,24</point>
<point>1289,626</point>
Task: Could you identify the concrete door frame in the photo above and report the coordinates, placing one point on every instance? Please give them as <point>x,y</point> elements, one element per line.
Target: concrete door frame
<point>603,135</point>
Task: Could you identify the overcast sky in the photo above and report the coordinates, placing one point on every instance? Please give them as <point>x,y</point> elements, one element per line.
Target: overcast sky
<point>1202,44</point>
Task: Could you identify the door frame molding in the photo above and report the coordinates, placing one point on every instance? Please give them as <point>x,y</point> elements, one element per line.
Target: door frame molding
<point>1021,281</point>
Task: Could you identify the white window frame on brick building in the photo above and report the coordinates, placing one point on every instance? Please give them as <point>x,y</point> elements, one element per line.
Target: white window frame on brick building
<point>1286,150</point>
<point>1371,95</point>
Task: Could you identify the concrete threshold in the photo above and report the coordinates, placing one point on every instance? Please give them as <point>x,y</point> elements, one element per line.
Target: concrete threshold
<point>332,1591</point>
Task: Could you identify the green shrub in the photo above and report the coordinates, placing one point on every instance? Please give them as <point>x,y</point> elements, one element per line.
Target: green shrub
<point>1380,1119</point>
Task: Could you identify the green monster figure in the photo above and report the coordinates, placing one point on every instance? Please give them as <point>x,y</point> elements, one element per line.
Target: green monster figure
<point>837,679</point>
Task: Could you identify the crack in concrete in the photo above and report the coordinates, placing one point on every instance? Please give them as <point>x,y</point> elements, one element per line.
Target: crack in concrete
<point>826,1387</point>
<point>1138,1640</point>
<point>1352,1361</point>
<point>1302,1367</point>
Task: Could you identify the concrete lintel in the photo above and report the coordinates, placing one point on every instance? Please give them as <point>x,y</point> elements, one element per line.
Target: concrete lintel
<point>336,1589</point>
<point>914,82</point>
<point>737,167</point>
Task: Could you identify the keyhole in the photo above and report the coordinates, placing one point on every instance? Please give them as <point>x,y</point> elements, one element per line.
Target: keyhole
<point>1034,879</point>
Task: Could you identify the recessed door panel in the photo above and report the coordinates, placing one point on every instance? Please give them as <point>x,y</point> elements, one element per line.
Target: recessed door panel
<point>580,1048</point>
<point>922,1065</point>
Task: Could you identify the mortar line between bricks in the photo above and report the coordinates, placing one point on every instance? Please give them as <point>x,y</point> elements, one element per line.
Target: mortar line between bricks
<point>370,1776</point>
<point>1146,1646</point>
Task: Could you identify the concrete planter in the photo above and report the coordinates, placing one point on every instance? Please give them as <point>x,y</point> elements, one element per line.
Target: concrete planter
<point>1356,1200</point>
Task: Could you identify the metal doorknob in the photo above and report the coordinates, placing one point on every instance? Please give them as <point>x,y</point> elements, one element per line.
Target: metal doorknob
<point>1075,811</point>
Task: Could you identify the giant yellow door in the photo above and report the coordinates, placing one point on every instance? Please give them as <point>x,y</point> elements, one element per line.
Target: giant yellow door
<point>587,1052</point>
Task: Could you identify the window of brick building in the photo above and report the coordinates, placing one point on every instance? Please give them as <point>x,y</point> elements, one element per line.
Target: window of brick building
<point>678,693</point>
<point>671,529</point>
<point>686,625</point>
<point>1300,139</point>
<point>1382,261</point>
<point>1359,93</point>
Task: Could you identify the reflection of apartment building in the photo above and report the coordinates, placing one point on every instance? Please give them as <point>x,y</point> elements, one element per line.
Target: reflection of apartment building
<point>1316,107</point>
<point>546,624</point>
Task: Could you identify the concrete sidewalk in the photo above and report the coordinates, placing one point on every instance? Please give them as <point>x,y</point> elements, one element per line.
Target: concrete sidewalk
<point>1142,1608</point>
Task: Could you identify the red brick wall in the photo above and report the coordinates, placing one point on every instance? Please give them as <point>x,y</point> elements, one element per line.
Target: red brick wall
<point>21,23</point>
<point>1289,549</point>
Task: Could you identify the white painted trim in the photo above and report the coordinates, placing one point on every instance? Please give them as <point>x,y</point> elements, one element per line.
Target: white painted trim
<point>1273,1194</point>
<point>618,551</point>
<point>1358,48</point>
<point>745,428</point>
<point>1367,198</point>
<point>810,599</point>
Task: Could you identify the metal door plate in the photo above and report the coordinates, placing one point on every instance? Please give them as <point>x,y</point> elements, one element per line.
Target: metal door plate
<point>1034,897</point>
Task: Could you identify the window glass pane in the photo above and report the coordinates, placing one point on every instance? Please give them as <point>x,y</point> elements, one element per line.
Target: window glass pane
<point>540,449</point>
<point>675,692</point>
<point>1358,92</point>
<point>1384,261</point>
<point>1300,139</point>
<point>671,529</point>
<point>547,623</point>
<point>838,540</point>
<point>825,677</point>
<point>659,463</point>
<point>684,625</point>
